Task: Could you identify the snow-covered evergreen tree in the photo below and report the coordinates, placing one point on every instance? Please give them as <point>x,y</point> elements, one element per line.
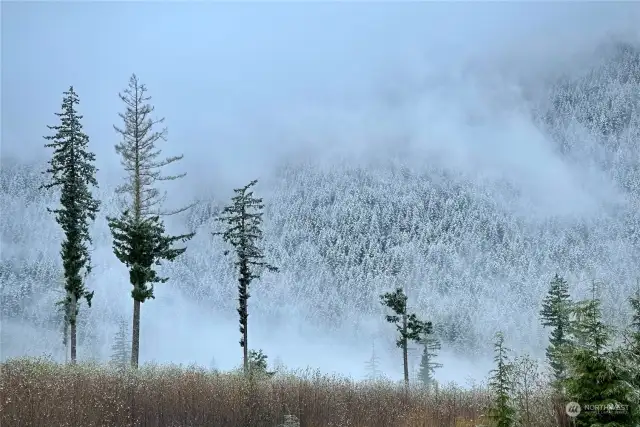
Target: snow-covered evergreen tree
<point>598,380</point>
<point>632,353</point>
<point>501,411</point>
<point>258,364</point>
<point>372,366</point>
<point>121,347</point>
<point>556,314</point>
<point>428,365</point>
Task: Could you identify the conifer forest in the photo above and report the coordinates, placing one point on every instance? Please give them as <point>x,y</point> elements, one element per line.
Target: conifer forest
<point>312,214</point>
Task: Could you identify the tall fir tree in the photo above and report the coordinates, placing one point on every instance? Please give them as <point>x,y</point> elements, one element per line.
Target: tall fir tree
<point>141,244</point>
<point>243,219</point>
<point>501,411</point>
<point>121,347</point>
<point>588,331</point>
<point>409,327</point>
<point>597,380</point>
<point>140,195</point>
<point>556,314</point>
<point>72,171</point>
<point>428,365</point>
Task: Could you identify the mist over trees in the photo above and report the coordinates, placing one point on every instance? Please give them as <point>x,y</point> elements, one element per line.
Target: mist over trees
<point>349,222</point>
<point>342,235</point>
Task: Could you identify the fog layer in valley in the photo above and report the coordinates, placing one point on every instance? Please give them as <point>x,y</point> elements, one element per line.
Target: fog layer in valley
<point>474,148</point>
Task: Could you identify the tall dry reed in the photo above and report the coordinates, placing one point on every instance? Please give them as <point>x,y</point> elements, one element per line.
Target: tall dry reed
<point>40,393</point>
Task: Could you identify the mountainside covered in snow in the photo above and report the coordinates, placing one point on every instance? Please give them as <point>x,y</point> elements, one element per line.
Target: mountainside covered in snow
<point>474,232</point>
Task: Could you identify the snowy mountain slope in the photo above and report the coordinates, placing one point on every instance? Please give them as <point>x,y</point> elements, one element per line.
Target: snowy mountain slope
<point>474,240</point>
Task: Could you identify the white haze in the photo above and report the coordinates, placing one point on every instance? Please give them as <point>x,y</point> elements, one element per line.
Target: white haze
<point>246,88</point>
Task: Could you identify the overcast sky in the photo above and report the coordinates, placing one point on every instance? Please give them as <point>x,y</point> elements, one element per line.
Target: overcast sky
<point>230,77</point>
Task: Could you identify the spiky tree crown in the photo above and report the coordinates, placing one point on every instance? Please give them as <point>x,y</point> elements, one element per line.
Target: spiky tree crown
<point>244,219</point>
<point>139,154</point>
<point>397,301</point>
<point>588,330</point>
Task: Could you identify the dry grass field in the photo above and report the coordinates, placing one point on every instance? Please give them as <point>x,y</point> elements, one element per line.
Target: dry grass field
<point>40,393</point>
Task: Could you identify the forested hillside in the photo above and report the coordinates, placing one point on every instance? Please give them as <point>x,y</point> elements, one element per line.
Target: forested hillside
<point>475,253</point>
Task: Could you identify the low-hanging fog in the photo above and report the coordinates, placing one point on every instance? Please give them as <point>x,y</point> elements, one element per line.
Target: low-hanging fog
<point>478,148</point>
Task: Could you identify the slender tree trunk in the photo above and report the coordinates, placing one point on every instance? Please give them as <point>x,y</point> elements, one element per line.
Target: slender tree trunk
<point>244,308</point>
<point>74,328</point>
<point>73,342</point>
<point>245,351</point>
<point>244,320</point>
<point>405,357</point>
<point>137,211</point>
<point>135,335</point>
<point>67,336</point>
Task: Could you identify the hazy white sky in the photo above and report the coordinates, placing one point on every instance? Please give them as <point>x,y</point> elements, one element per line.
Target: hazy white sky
<point>230,77</point>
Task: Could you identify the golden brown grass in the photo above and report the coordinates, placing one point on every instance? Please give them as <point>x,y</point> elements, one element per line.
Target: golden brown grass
<point>36,392</point>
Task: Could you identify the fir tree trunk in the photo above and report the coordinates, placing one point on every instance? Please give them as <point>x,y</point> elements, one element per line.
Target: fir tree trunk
<point>73,342</point>
<point>137,212</point>
<point>73,328</point>
<point>244,318</point>
<point>405,357</point>
<point>135,335</point>
<point>245,351</point>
